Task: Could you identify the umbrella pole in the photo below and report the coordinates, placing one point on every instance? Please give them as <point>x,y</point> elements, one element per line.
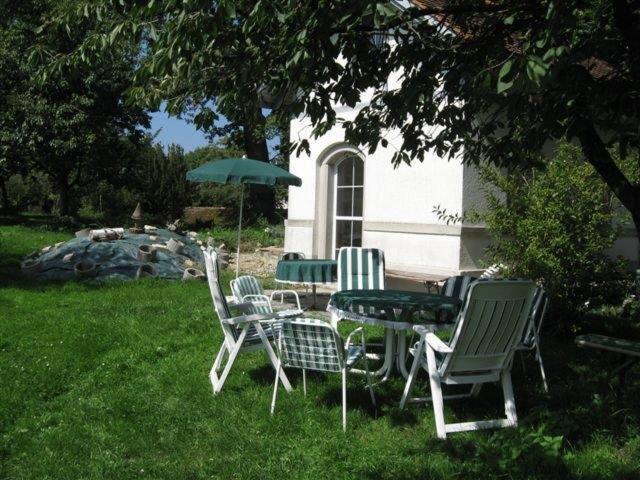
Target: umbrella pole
<point>239,230</point>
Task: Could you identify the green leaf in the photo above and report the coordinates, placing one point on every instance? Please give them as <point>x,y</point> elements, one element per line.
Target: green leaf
<point>504,83</point>
<point>536,68</point>
<point>230,8</point>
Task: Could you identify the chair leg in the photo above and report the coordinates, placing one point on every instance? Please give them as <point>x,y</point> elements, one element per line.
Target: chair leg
<point>272,356</point>
<point>232,358</point>
<point>369,381</point>
<point>213,374</point>
<point>304,381</point>
<point>475,389</point>
<point>417,359</point>
<point>522,364</point>
<point>542,373</point>
<point>275,387</point>
<point>436,394</point>
<point>509,399</point>
<point>344,399</point>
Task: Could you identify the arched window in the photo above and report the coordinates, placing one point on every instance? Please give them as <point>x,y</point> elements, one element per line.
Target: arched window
<point>349,189</point>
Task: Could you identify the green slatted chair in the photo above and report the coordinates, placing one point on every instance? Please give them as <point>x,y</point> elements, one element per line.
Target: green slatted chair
<point>486,334</point>
<point>457,286</point>
<point>311,344</point>
<point>360,269</point>
<point>248,289</point>
<point>244,333</point>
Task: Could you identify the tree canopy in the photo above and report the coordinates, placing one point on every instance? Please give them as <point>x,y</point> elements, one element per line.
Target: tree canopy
<point>72,123</point>
<point>490,81</point>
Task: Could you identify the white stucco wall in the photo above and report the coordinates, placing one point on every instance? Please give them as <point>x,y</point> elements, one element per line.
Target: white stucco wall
<point>398,203</point>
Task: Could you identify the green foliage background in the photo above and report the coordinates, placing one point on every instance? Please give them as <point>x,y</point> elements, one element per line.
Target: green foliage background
<point>555,225</point>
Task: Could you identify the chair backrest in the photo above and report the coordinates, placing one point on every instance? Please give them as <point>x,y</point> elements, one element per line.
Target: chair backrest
<point>219,301</point>
<point>457,286</point>
<point>360,268</point>
<point>536,316</point>
<point>310,344</point>
<point>292,256</point>
<point>249,285</point>
<point>489,327</point>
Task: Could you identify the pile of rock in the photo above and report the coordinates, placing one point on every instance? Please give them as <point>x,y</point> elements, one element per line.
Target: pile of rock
<point>116,253</point>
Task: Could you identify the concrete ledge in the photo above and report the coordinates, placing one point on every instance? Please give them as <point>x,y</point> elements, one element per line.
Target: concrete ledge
<point>425,228</point>
<point>295,222</point>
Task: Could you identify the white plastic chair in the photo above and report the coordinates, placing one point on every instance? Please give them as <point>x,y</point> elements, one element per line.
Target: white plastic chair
<point>311,344</point>
<point>248,289</point>
<point>242,334</point>
<point>486,334</point>
<point>531,338</point>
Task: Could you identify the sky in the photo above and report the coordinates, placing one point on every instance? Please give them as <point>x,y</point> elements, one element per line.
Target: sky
<point>175,130</point>
<point>178,131</point>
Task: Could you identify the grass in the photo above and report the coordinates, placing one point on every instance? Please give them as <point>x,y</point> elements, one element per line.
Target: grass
<point>110,381</point>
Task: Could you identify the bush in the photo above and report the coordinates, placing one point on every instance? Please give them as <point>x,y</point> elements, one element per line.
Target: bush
<point>555,226</point>
<point>162,186</point>
<point>31,193</point>
<point>262,234</point>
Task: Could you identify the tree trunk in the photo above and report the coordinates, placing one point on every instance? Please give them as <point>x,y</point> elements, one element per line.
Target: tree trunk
<point>261,197</point>
<point>5,196</point>
<point>628,193</point>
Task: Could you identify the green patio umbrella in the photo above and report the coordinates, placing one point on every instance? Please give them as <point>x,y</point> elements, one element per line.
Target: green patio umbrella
<point>241,171</point>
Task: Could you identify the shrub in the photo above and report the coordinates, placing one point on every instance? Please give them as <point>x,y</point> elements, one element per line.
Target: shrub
<point>262,234</point>
<point>555,226</point>
<point>161,182</point>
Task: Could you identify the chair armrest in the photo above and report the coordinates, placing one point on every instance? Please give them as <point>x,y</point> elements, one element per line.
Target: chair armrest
<point>288,292</point>
<point>438,345</point>
<point>257,299</point>
<point>244,307</point>
<point>347,342</point>
<point>257,317</point>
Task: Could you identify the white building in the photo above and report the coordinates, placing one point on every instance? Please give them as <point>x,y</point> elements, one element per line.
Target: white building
<point>350,198</point>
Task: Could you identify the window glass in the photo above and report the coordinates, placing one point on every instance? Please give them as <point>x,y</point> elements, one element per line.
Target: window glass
<point>357,201</point>
<point>357,233</point>
<point>343,202</point>
<point>343,233</point>
<point>345,172</point>
<point>358,172</point>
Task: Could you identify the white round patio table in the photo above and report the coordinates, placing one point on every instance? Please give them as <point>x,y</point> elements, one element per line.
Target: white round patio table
<point>394,310</point>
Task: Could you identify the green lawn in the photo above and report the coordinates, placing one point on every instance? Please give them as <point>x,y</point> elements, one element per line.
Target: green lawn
<point>111,381</point>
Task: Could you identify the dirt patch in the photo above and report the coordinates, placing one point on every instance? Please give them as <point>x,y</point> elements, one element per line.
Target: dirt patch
<point>261,263</point>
